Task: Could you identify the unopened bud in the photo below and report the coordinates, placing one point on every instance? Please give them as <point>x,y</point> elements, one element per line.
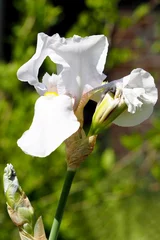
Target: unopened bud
<point>11,185</point>
<point>107,110</point>
<point>18,205</point>
<point>39,232</point>
<point>20,209</point>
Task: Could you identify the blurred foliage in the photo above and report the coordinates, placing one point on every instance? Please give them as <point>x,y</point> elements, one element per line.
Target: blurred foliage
<point>115,197</point>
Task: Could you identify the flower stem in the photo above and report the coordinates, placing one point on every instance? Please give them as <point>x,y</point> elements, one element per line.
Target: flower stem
<point>61,205</point>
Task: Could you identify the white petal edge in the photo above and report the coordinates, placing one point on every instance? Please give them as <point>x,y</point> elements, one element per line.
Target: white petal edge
<point>82,65</point>
<point>28,72</point>
<point>141,79</point>
<point>140,95</point>
<point>54,121</point>
<point>127,119</point>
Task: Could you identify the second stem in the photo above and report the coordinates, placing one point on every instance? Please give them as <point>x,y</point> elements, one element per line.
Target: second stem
<point>61,204</point>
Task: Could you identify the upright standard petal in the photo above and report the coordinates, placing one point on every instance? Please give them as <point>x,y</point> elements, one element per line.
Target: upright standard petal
<point>82,65</point>
<point>29,71</point>
<point>53,122</point>
<point>140,94</point>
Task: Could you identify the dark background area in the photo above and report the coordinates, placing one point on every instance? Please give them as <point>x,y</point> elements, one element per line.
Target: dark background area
<point>70,11</point>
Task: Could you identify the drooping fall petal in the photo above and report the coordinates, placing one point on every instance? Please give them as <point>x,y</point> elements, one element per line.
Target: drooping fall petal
<point>53,122</point>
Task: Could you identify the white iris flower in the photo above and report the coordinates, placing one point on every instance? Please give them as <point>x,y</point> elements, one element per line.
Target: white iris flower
<point>80,63</point>
<point>140,94</point>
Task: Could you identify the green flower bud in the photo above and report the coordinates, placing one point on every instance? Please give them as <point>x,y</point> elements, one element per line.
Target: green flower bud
<point>39,232</point>
<point>11,185</point>
<point>20,209</point>
<point>107,110</point>
<point>18,205</point>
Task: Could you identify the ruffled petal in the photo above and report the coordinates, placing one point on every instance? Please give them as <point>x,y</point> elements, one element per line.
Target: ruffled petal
<point>29,71</point>
<point>132,98</point>
<point>140,79</point>
<point>140,94</point>
<point>53,122</point>
<point>82,65</point>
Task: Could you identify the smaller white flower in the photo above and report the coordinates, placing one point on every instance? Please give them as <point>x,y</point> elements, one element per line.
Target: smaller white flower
<point>125,102</point>
<point>140,94</point>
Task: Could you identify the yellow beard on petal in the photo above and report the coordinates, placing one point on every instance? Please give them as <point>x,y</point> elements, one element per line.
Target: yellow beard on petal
<point>51,94</point>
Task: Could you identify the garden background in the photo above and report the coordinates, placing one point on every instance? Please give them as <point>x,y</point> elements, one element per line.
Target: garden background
<point>116,192</point>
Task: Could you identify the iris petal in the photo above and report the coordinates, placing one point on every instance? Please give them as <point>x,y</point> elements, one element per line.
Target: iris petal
<point>82,65</point>
<point>29,71</point>
<point>127,119</point>
<point>140,94</point>
<point>53,122</point>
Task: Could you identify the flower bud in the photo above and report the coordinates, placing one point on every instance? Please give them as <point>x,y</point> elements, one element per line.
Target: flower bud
<point>107,110</point>
<point>20,209</point>
<point>39,232</point>
<point>18,205</point>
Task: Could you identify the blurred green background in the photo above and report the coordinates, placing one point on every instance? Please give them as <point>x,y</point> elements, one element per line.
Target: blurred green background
<point>116,192</point>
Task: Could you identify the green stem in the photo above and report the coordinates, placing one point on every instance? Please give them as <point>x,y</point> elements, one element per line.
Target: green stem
<point>61,205</point>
